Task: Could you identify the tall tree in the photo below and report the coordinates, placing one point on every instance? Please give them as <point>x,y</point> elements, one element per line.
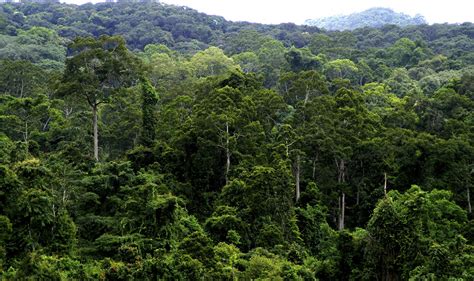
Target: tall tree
<point>97,69</point>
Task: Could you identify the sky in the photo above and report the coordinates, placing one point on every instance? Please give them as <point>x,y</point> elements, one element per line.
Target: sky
<point>297,11</point>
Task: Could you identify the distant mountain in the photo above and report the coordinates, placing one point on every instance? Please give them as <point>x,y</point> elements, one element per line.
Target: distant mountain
<point>374,17</point>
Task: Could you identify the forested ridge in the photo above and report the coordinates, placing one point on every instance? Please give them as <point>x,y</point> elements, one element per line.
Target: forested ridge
<point>374,17</point>
<point>145,141</point>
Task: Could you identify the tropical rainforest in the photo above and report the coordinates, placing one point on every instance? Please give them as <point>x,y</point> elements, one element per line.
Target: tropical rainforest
<point>145,141</point>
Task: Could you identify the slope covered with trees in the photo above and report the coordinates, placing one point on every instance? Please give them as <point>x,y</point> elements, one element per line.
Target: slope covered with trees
<point>374,17</point>
<point>148,141</point>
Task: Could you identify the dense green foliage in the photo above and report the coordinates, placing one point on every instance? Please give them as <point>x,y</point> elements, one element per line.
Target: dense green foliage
<point>196,148</point>
<point>374,17</point>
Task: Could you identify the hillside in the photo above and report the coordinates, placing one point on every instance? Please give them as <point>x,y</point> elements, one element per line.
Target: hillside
<point>187,31</point>
<point>375,17</point>
<point>144,141</point>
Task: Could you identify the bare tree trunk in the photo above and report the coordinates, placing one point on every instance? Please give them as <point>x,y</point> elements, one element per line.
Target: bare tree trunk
<point>286,89</point>
<point>297,177</point>
<point>385,184</point>
<point>96,132</point>
<point>314,167</point>
<point>25,135</point>
<point>45,125</point>
<point>342,199</point>
<point>227,152</point>
<point>341,171</point>
<point>22,88</point>
<point>343,210</point>
<point>306,97</point>
<point>67,112</point>
<point>469,207</point>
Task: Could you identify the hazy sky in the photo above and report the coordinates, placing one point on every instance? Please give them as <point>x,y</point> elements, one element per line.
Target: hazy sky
<point>297,11</point>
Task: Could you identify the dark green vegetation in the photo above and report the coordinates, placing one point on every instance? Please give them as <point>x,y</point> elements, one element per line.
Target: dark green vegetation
<point>374,17</point>
<point>222,151</point>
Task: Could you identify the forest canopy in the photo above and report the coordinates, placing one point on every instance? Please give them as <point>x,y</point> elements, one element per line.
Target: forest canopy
<point>144,141</point>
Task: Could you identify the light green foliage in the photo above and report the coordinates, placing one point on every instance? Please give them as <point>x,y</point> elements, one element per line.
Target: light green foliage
<point>400,83</point>
<point>211,62</point>
<point>260,267</point>
<point>340,68</point>
<point>248,61</point>
<point>167,69</point>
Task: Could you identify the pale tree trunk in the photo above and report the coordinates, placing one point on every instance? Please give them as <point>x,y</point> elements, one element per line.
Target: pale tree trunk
<point>224,144</point>
<point>96,132</point>
<point>46,123</point>
<point>67,112</point>
<point>469,207</point>
<point>227,152</point>
<point>297,177</point>
<point>25,137</point>
<point>306,97</point>
<point>343,210</point>
<point>342,199</point>
<point>286,88</point>
<point>314,168</point>
<point>385,184</point>
<point>22,88</point>
<point>468,193</point>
